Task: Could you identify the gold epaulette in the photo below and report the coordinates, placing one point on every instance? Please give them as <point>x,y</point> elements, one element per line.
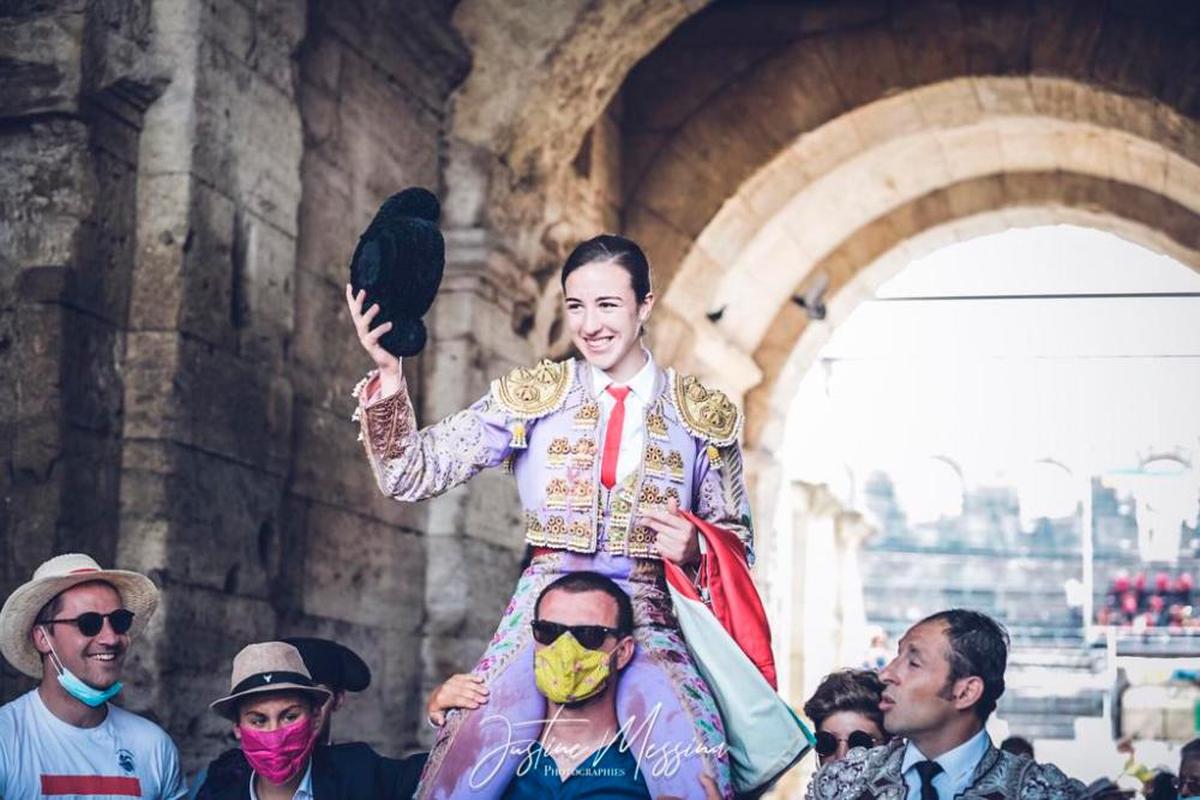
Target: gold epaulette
<point>533,392</point>
<point>706,413</point>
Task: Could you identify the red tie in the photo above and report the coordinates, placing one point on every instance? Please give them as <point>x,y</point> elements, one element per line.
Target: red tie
<point>612,437</point>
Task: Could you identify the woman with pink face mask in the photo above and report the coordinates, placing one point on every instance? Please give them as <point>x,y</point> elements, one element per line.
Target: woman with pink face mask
<point>277,713</point>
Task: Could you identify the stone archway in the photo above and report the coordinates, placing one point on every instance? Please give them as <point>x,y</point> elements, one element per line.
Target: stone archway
<point>838,147</point>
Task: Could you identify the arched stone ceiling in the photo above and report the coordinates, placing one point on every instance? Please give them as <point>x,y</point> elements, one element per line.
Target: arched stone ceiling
<point>960,211</point>
<point>767,237</point>
<point>742,83</point>
<point>835,199</point>
<point>541,74</point>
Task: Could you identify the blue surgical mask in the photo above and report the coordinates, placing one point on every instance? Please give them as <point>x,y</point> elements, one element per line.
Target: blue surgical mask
<point>88,695</point>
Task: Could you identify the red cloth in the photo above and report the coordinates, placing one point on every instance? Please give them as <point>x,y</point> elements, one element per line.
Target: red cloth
<point>612,437</point>
<point>732,595</point>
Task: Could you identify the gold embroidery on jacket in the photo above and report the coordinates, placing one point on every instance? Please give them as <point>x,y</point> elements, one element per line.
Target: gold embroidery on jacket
<point>532,392</point>
<point>556,454</point>
<point>706,413</point>
<point>556,493</point>
<point>588,416</point>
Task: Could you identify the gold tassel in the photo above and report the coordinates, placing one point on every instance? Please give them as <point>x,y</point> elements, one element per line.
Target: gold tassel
<point>518,435</point>
<point>714,457</point>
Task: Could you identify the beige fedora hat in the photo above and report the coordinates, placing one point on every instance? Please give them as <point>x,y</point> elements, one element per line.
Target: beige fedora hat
<point>267,667</point>
<point>138,594</point>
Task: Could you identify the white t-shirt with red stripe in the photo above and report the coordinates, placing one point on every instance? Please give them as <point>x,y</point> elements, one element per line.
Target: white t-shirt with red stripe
<point>124,756</point>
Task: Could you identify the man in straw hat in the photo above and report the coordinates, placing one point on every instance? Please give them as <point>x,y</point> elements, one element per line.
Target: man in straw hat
<point>277,711</point>
<point>71,627</point>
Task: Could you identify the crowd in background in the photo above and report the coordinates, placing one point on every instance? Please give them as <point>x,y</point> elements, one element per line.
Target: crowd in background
<point>1137,601</point>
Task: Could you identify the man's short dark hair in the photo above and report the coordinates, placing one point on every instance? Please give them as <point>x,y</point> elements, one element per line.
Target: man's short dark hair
<point>857,690</point>
<point>579,582</point>
<point>1190,750</point>
<point>978,648</point>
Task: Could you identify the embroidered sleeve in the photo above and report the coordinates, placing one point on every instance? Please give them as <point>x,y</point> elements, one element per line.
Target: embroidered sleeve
<point>413,463</point>
<point>721,493</point>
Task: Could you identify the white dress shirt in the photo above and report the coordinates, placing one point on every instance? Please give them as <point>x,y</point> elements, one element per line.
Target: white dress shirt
<point>958,765</point>
<point>633,430</point>
<point>303,792</point>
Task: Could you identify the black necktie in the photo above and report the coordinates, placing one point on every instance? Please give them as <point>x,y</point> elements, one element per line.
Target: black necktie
<point>927,770</point>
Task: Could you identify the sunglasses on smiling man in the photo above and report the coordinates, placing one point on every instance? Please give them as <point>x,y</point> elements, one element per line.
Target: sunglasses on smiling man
<point>590,636</point>
<point>827,743</point>
<point>91,622</point>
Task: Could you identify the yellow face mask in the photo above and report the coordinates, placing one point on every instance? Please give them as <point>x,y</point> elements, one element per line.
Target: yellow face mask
<point>567,672</point>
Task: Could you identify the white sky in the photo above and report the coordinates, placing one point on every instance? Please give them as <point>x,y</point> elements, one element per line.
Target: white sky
<point>995,386</point>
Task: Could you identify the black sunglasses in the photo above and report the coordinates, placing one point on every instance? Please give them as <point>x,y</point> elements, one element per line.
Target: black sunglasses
<point>91,622</point>
<point>590,636</point>
<point>827,743</point>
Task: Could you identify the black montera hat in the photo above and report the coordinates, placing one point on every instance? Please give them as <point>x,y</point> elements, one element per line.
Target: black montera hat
<point>399,262</point>
<point>332,664</point>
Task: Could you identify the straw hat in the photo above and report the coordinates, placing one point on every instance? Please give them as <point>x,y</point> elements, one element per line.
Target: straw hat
<point>138,594</point>
<point>266,667</point>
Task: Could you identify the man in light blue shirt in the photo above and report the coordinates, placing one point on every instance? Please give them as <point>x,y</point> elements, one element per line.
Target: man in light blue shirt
<point>939,692</point>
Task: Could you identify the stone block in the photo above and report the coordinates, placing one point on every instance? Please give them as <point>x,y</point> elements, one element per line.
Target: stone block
<point>860,80</point>
<point>469,585</point>
<point>362,571</point>
<point>41,63</point>
<point>777,23</point>
<point>675,83</point>
<point>329,223</point>
<point>1119,61</point>
<point>264,259</point>
<point>887,120</point>
<point>794,93</point>
<point>325,438</point>
<point>455,377</point>
<point>325,350</point>
<point>969,151</point>
<point>199,519</point>
<point>181,390</point>
<point>664,244</point>
<point>683,187</point>
<point>948,104</point>
<point>235,111</point>
<point>828,147</point>
<point>46,192</point>
<point>1005,96</point>
<point>690,295</point>
<point>203,279</point>
<point>1063,36</point>
<point>1181,182</point>
<point>639,150</point>
<point>493,511</point>
<point>929,40</point>
<point>996,37</point>
<point>735,225</point>
<point>606,161</point>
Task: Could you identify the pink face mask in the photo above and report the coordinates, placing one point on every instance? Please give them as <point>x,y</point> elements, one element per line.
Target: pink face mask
<point>279,754</point>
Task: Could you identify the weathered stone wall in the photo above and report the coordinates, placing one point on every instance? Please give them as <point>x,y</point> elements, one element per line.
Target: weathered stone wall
<point>372,83</point>
<point>74,83</point>
<point>175,358</point>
